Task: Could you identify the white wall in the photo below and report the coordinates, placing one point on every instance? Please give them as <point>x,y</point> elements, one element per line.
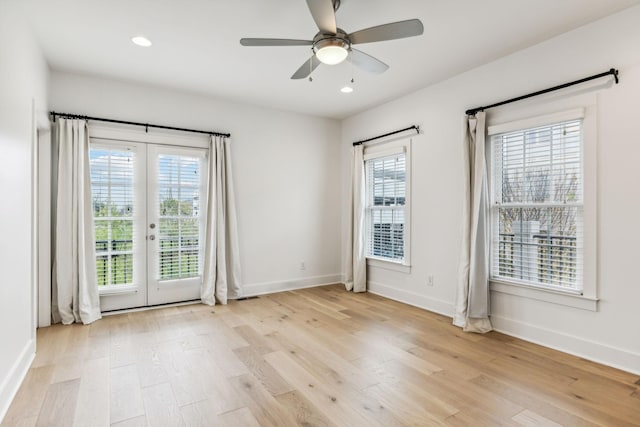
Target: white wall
<point>23,84</point>
<point>284,166</point>
<point>610,335</point>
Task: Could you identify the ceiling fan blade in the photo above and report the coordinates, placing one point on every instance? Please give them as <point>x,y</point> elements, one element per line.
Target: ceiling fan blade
<point>367,62</point>
<point>392,31</point>
<point>324,15</point>
<point>306,68</point>
<point>275,42</point>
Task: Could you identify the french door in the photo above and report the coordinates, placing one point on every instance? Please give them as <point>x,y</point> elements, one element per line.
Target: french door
<point>149,207</point>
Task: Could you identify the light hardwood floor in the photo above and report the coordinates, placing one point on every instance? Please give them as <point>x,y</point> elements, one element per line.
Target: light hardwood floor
<point>313,357</point>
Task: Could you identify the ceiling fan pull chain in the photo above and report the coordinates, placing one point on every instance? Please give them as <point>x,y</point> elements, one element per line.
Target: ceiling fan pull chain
<point>352,72</point>
<point>310,68</point>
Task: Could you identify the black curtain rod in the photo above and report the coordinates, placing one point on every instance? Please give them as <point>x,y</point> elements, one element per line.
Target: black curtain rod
<point>417,128</point>
<point>123,122</point>
<point>612,72</point>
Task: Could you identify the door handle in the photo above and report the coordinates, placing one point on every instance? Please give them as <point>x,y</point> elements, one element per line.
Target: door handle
<point>152,226</point>
<point>152,237</point>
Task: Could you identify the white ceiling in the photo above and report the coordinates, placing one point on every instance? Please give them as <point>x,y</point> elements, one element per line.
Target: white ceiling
<point>196,44</point>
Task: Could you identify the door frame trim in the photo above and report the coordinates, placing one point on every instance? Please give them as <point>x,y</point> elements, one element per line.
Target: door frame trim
<point>112,136</point>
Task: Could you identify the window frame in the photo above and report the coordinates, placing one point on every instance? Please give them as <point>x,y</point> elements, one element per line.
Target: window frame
<point>380,150</point>
<point>584,108</point>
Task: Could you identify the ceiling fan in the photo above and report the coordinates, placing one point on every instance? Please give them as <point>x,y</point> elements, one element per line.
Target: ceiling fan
<point>331,45</point>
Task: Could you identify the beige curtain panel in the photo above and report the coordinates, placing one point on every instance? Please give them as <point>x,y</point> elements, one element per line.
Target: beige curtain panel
<point>355,262</point>
<point>221,276</point>
<point>75,296</point>
<point>472,302</point>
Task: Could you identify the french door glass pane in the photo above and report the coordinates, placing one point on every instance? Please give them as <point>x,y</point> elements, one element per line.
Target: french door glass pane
<point>179,216</point>
<point>112,180</point>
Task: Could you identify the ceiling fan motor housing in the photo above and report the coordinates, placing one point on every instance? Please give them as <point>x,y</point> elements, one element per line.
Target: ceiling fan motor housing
<point>340,39</point>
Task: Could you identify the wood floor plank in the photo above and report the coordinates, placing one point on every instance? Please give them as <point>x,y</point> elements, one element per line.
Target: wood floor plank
<point>199,414</point>
<point>411,411</point>
<point>564,398</point>
<point>161,407</point>
<point>23,422</point>
<point>530,401</point>
<point>151,370</point>
<point>324,398</point>
<point>312,357</point>
<point>476,397</point>
<point>264,372</point>
<point>303,411</point>
<point>528,418</point>
<point>52,345</point>
<point>59,404</point>
<point>261,403</point>
<point>125,394</point>
<point>30,396</point>
<point>93,407</point>
<point>224,357</point>
<point>240,417</point>
<point>132,422</point>
<point>316,359</point>
<point>255,340</point>
<point>194,377</point>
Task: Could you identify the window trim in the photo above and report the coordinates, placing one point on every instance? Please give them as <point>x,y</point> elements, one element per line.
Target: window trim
<point>584,107</point>
<point>385,149</point>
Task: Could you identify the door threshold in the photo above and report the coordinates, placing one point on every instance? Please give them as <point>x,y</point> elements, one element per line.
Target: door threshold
<point>150,307</point>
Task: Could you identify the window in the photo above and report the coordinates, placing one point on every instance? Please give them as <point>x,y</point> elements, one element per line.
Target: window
<point>537,205</point>
<point>112,191</point>
<point>386,207</point>
<point>179,189</point>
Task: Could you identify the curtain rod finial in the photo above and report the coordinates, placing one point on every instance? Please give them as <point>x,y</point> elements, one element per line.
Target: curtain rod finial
<point>615,74</point>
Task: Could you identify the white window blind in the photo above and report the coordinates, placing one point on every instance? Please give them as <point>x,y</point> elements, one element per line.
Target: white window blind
<point>537,206</point>
<point>179,216</point>
<point>386,198</point>
<point>112,191</point>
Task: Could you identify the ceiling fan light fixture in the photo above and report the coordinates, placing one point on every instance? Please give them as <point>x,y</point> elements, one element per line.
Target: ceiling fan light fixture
<point>331,51</point>
<point>346,89</point>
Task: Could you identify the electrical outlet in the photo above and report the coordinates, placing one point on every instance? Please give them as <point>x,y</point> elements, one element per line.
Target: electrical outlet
<point>302,265</point>
<point>430,280</point>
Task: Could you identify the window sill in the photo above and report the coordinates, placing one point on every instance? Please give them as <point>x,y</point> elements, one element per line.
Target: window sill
<point>388,265</point>
<point>547,295</point>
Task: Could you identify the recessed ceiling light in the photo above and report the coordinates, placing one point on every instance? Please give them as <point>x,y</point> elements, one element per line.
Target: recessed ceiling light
<point>346,89</point>
<point>141,41</point>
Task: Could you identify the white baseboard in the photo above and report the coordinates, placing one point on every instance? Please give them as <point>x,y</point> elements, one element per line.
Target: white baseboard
<point>411,298</point>
<point>254,289</point>
<point>586,349</point>
<point>580,347</point>
<point>10,385</point>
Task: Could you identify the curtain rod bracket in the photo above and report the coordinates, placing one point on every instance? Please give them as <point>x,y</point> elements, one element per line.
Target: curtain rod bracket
<point>615,72</point>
